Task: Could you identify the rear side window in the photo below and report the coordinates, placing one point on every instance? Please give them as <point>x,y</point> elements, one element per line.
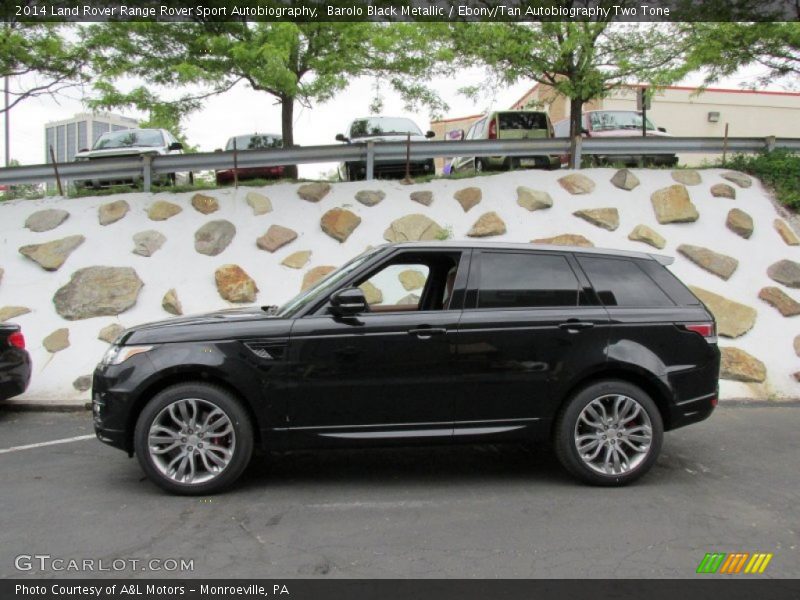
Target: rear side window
<point>523,120</point>
<point>621,282</point>
<point>669,283</point>
<point>520,280</point>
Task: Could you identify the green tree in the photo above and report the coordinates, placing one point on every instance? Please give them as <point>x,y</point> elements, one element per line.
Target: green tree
<point>41,59</point>
<point>293,63</point>
<point>582,60</point>
<point>723,48</point>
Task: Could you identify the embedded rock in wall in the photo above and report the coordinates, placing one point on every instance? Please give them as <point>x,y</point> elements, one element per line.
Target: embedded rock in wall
<point>740,223</point>
<point>413,228</point>
<point>786,232</point>
<point>259,203</point>
<point>234,284</point>
<point>51,255</point>
<point>297,260</point>
<point>205,204</point>
<point>372,294</point>
<point>740,179</point>
<point>733,319</point>
<point>82,383</point>
<point>533,199</point>
<point>738,365</point>
<point>171,303</point>
<point>339,223</point>
<point>109,333</point>
<point>672,205</point>
<point>720,265</point>
<point>314,275</point>
<point>313,192</point>
<point>45,220</point>
<point>146,243</point>
<point>624,179</point>
<point>565,239</point>
<point>276,237</point>
<point>370,197</point>
<point>423,197</point>
<point>776,297</point>
<point>643,233</point>
<point>607,218</point>
<point>411,279</point>
<point>723,190</point>
<point>112,212</point>
<point>213,237</point>
<point>786,272</point>
<point>57,341</point>
<point>577,184</point>
<point>98,291</point>
<point>468,197</point>
<point>10,312</point>
<point>687,176</point>
<point>161,210</point>
<point>487,225</point>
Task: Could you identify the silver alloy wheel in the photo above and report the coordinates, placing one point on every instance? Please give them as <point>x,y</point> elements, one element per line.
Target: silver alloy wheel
<point>613,434</point>
<point>191,441</point>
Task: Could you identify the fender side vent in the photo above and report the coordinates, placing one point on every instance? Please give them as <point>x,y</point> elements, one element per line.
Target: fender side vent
<point>272,350</point>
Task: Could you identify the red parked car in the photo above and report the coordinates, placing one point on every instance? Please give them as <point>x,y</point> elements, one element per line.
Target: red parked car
<point>252,141</point>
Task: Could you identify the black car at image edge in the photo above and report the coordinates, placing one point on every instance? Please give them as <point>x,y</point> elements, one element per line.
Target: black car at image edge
<point>15,363</point>
<point>598,351</point>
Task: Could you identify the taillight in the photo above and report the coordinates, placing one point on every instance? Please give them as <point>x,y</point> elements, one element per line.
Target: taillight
<point>704,329</point>
<point>493,129</point>
<point>17,340</point>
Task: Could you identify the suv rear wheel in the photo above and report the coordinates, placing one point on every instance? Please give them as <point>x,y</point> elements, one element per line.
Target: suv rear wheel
<point>609,433</point>
<point>193,438</point>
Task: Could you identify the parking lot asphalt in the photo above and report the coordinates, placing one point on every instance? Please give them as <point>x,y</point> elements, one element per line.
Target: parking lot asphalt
<point>730,484</point>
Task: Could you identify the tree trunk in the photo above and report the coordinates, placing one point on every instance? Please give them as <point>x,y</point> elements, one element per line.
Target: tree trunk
<point>575,128</point>
<point>287,131</point>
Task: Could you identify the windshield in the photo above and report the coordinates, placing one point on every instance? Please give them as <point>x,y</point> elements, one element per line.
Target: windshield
<point>128,138</point>
<point>255,142</point>
<point>618,119</point>
<point>325,286</point>
<point>383,126</point>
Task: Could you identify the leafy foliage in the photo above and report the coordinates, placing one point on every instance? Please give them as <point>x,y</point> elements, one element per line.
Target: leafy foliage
<point>779,169</point>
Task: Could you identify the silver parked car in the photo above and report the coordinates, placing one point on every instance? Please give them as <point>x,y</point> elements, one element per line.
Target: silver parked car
<point>129,143</point>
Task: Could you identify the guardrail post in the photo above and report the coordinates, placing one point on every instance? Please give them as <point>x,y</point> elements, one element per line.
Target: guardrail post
<point>147,168</point>
<point>577,154</point>
<point>370,161</point>
<point>770,143</point>
<point>55,168</point>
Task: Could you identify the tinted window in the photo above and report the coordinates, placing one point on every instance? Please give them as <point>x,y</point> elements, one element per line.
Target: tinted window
<point>669,283</point>
<point>526,280</point>
<point>253,142</point>
<point>620,282</point>
<point>130,138</point>
<point>523,120</point>
<point>383,126</point>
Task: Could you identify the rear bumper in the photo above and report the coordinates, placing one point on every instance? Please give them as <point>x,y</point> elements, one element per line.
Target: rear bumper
<point>421,167</point>
<point>693,410</point>
<point>15,372</point>
<point>226,175</point>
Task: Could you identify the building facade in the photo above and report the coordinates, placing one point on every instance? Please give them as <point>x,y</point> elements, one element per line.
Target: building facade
<point>70,136</point>
<point>682,111</point>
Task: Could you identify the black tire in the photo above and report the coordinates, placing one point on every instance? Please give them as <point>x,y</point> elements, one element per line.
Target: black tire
<point>212,395</point>
<point>481,166</point>
<point>564,432</point>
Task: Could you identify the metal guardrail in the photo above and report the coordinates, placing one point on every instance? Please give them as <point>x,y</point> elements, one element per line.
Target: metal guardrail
<point>145,168</point>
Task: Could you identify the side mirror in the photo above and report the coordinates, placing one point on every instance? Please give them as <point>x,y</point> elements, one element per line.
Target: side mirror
<point>341,138</point>
<point>584,131</point>
<point>662,130</point>
<point>430,134</point>
<point>176,146</point>
<point>349,301</point>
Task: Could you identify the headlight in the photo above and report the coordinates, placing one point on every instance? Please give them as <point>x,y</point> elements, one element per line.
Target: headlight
<point>116,355</point>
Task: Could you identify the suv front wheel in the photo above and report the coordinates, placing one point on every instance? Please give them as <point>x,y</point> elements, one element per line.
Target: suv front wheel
<point>193,438</point>
<point>609,433</point>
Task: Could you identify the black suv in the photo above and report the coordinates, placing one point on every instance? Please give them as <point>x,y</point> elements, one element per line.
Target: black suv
<point>598,350</point>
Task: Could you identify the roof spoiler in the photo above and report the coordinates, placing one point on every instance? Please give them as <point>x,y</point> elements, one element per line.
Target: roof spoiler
<point>663,259</point>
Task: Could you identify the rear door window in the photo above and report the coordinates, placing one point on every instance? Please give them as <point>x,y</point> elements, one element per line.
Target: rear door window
<point>621,282</point>
<point>523,120</point>
<point>526,280</point>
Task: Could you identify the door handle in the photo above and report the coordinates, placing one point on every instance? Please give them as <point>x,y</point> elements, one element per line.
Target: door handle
<point>426,332</point>
<point>576,325</point>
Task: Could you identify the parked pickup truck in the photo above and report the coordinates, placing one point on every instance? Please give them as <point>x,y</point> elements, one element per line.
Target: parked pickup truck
<point>15,363</point>
<point>617,123</point>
